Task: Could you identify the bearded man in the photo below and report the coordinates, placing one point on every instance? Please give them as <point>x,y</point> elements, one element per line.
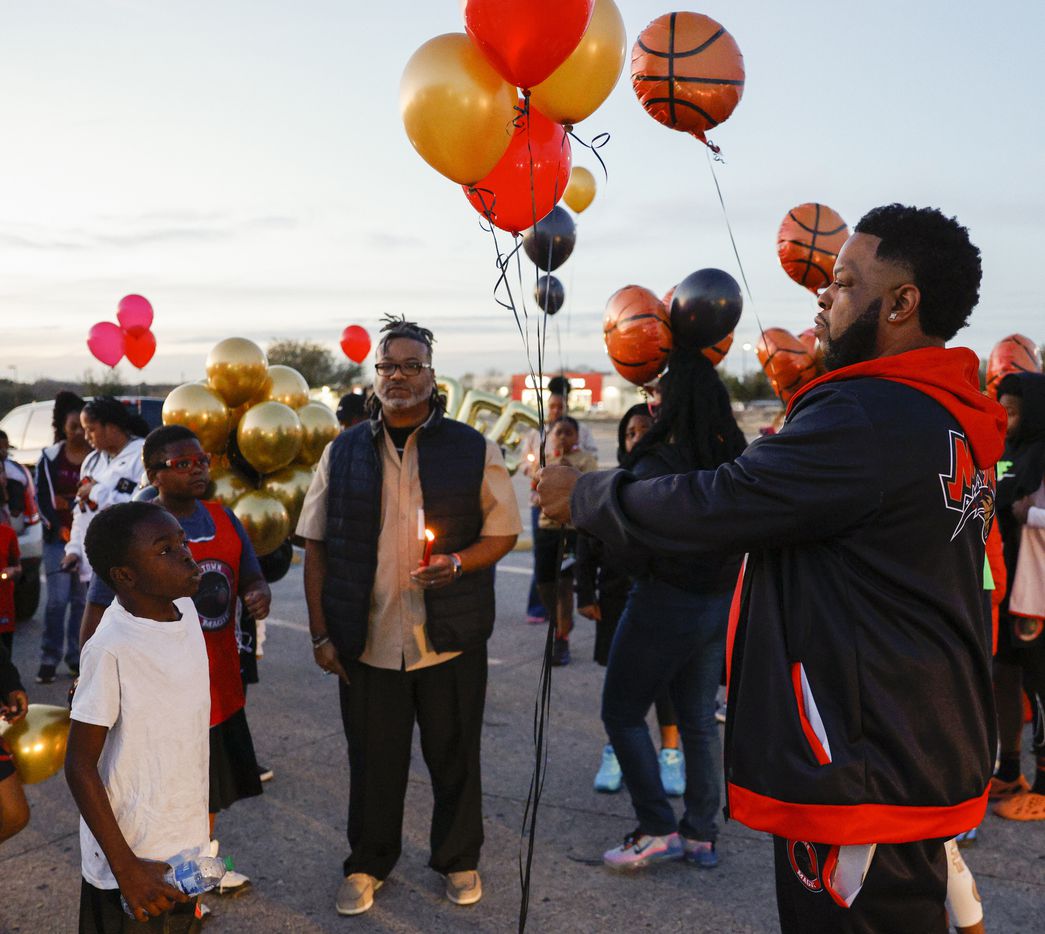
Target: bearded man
<point>860,730</point>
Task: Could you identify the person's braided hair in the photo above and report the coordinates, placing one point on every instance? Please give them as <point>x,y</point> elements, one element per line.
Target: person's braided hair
<point>393,329</point>
<point>694,416</point>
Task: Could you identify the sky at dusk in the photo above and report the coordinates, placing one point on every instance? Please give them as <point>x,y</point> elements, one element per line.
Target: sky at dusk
<point>243,165</point>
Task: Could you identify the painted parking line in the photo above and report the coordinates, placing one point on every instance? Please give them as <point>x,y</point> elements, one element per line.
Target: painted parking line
<point>514,569</point>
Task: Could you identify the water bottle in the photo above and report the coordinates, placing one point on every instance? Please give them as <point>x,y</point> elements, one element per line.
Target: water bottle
<point>193,876</point>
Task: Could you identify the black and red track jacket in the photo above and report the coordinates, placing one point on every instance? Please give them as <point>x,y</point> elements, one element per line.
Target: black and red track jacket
<point>860,701</point>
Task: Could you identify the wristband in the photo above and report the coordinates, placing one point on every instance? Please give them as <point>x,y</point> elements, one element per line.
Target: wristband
<point>319,641</point>
<point>455,559</point>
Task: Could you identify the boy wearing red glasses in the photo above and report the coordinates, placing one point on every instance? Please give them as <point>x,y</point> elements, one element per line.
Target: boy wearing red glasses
<point>177,466</point>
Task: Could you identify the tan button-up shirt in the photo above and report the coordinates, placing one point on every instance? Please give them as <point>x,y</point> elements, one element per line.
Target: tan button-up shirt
<point>396,636</point>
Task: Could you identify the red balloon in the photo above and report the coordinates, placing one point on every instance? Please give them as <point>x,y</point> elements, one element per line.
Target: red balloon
<point>134,314</point>
<point>355,342</point>
<point>105,341</point>
<point>526,40</point>
<point>512,197</point>
<point>139,348</point>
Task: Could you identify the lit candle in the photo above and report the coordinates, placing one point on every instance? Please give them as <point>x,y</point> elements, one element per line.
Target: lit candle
<point>429,541</point>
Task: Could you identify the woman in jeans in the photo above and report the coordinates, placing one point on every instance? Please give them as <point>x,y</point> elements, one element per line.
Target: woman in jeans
<point>672,634</point>
<point>57,479</point>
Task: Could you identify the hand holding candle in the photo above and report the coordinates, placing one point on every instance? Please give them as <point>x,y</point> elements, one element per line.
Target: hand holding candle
<point>429,542</point>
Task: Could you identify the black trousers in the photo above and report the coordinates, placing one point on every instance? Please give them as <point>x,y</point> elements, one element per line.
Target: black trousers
<point>903,892</point>
<point>379,708</point>
<point>102,913</point>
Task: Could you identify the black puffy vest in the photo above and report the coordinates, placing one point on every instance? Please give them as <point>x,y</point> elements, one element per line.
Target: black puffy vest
<point>452,458</point>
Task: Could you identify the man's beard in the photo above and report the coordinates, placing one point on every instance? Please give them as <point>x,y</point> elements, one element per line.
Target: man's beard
<point>857,343</point>
<point>398,402</point>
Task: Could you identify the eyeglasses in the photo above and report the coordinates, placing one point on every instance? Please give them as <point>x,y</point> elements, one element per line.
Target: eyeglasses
<point>410,368</point>
<point>183,464</point>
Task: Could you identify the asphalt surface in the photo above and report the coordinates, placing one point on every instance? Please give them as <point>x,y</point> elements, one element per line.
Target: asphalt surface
<point>291,841</point>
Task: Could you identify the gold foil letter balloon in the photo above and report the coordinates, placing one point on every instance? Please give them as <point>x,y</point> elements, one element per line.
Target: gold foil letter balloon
<point>269,436</point>
<point>264,519</point>
<point>319,426</point>
<point>286,385</point>
<point>38,742</point>
<point>236,369</point>
<point>289,486</point>
<point>202,411</point>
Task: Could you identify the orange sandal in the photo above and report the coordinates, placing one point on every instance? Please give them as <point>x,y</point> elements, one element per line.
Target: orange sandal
<point>1026,807</point>
<point>999,790</point>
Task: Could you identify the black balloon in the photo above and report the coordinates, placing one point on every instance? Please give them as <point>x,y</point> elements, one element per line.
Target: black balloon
<point>550,243</point>
<point>549,294</point>
<point>705,308</point>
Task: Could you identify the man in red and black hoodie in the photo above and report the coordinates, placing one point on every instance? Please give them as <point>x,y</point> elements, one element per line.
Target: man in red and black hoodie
<point>861,723</point>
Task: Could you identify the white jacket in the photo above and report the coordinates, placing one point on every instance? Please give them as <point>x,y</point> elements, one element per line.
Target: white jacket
<point>116,479</point>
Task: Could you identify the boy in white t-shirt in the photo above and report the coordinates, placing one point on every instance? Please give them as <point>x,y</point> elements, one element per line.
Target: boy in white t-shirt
<point>137,760</point>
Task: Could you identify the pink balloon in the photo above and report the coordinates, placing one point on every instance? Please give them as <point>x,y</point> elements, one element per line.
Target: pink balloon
<point>134,314</point>
<point>105,341</point>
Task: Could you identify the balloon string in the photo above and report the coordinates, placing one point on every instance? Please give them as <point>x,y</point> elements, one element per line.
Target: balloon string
<point>597,142</point>
<point>732,239</point>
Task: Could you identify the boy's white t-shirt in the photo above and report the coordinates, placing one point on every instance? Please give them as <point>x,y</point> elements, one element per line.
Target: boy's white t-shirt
<point>149,683</point>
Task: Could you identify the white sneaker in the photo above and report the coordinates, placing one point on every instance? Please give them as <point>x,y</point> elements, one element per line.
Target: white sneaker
<point>464,888</point>
<point>232,883</point>
<point>356,894</point>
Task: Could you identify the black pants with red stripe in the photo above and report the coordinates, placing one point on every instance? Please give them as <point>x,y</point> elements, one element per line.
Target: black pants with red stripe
<point>903,892</point>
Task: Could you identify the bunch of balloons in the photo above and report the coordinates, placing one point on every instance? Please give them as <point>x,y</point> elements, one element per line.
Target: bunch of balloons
<point>808,242</point>
<point>698,314</point>
<point>462,111</point>
<point>687,72</point>
<point>264,432</point>
<point>1012,354</point>
<point>131,338</point>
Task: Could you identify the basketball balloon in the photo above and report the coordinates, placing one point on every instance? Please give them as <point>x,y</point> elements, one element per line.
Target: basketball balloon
<point>786,362</point>
<point>531,176</point>
<point>808,243</point>
<point>637,333</point>
<point>717,352</point>
<point>687,71</point>
<point>1012,354</point>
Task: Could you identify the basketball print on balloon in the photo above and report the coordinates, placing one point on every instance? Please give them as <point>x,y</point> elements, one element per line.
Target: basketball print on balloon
<point>1012,354</point>
<point>808,243</point>
<point>786,362</point>
<point>687,72</point>
<point>637,331</point>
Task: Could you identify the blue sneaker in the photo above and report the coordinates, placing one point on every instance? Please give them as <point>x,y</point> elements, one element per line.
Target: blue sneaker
<point>700,853</point>
<point>968,838</point>
<point>673,772</point>
<point>608,778</point>
<point>640,849</point>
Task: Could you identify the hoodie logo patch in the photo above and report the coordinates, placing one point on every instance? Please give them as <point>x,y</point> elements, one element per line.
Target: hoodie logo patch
<point>967,490</point>
<point>804,864</point>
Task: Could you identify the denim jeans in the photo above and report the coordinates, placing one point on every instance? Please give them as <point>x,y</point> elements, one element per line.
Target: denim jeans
<point>668,638</point>
<point>66,595</point>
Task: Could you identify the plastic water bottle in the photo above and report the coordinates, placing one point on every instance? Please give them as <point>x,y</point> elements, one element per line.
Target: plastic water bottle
<point>193,876</point>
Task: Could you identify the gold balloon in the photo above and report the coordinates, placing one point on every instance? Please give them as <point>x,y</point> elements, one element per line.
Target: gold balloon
<point>320,427</point>
<point>286,385</point>
<point>453,392</point>
<point>580,191</point>
<point>510,431</point>
<point>236,414</point>
<point>228,484</point>
<point>201,410</point>
<point>581,83</point>
<point>236,369</point>
<point>38,742</point>
<point>289,486</point>
<point>480,409</point>
<point>264,519</point>
<point>456,109</point>
<point>269,436</point>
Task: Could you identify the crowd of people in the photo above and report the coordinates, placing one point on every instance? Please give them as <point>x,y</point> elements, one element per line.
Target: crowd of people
<point>853,580</point>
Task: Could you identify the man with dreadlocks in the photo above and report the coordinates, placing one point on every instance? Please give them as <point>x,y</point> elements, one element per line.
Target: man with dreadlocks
<point>407,638</point>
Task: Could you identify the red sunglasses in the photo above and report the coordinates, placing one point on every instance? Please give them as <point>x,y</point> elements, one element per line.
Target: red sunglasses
<point>183,464</point>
